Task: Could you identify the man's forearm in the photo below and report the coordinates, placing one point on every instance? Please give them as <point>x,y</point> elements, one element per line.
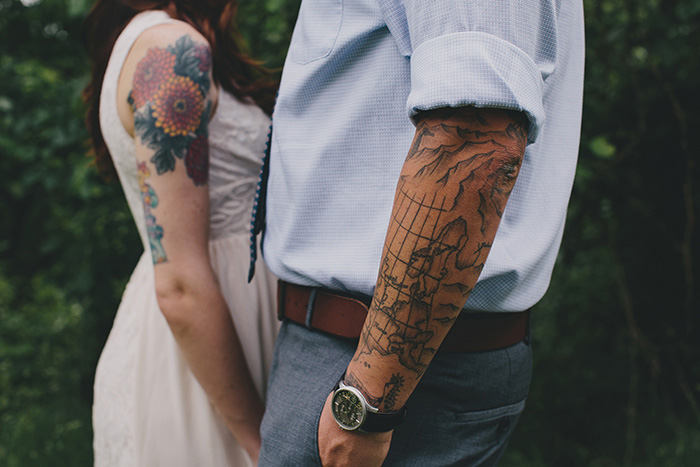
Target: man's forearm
<point>450,197</point>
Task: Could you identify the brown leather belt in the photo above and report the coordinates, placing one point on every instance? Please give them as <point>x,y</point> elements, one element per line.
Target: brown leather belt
<point>344,316</point>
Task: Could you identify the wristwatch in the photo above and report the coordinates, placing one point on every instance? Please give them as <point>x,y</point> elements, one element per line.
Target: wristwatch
<point>352,412</point>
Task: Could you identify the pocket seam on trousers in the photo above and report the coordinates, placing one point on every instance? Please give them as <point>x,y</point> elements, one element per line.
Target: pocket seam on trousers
<point>489,414</point>
<point>316,447</point>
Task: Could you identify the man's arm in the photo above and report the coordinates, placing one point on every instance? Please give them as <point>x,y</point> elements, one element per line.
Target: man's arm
<point>450,197</point>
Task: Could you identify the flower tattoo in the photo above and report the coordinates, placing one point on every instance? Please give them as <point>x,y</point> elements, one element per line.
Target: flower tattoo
<point>178,106</point>
<point>196,160</point>
<point>204,58</point>
<point>171,106</point>
<point>151,72</point>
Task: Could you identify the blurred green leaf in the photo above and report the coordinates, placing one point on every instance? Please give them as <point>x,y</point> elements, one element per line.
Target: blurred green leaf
<point>602,148</point>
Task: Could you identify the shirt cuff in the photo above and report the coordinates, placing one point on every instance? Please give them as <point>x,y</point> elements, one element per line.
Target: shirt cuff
<point>476,69</point>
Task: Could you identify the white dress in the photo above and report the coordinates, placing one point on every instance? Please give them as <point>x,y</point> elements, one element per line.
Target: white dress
<point>149,410</point>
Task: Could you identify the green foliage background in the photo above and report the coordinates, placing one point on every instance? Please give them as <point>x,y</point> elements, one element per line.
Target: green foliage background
<point>617,367</point>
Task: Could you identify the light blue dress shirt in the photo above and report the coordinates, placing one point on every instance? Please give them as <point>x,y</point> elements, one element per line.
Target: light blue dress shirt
<point>355,74</point>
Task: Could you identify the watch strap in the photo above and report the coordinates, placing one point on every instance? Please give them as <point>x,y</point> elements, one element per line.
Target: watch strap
<point>379,422</point>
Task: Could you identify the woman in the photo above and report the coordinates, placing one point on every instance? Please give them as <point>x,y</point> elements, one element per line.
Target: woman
<point>175,108</point>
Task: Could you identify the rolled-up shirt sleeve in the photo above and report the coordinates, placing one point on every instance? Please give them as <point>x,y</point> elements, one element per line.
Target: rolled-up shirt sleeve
<point>482,53</point>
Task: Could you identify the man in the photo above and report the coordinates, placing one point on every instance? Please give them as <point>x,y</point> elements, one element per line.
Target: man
<point>401,130</point>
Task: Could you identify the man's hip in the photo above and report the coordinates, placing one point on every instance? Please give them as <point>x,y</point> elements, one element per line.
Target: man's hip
<point>462,412</point>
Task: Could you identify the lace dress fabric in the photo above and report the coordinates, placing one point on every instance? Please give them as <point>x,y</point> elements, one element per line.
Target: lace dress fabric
<point>149,410</point>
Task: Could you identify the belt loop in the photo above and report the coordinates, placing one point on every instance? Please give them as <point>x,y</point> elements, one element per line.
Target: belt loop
<point>310,307</point>
<point>281,288</point>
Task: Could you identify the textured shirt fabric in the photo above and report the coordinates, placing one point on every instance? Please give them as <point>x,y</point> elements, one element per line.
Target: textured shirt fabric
<point>356,73</point>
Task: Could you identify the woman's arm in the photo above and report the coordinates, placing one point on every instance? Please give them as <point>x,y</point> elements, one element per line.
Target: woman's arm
<point>166,92</point>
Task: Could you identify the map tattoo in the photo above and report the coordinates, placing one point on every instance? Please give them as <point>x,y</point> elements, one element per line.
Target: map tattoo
<point>391,391</point>
<point>171,106</point>
<point>150,200</point>
<point>438,239</point>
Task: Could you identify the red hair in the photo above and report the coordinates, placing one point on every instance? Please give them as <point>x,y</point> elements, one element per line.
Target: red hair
<point>233,70</point>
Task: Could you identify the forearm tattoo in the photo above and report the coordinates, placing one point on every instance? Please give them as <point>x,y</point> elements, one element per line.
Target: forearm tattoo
<point>171,106</point>
<point>450,197</point>
<point>391,390</point>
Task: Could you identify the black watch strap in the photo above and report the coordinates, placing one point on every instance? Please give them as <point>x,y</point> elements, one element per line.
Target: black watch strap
<point>383,421</point>
<point>378,422</point>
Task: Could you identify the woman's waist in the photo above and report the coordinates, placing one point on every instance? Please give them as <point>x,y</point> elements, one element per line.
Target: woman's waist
<point>230,218</point>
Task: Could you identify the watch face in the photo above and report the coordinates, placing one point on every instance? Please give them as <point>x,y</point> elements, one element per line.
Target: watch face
<point>348,410</point>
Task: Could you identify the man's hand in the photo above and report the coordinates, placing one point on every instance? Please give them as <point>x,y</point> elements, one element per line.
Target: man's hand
<point>338,447</point>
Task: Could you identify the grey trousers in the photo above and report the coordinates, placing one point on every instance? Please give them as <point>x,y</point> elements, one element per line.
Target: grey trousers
<point>461,414</point>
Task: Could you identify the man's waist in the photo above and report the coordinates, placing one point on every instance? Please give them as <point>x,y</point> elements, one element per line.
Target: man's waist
<point>344,316</point>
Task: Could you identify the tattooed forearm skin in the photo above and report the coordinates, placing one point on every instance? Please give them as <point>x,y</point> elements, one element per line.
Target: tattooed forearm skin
<point>391,390</point>
<point>450,197</point>
<point>171,106</point>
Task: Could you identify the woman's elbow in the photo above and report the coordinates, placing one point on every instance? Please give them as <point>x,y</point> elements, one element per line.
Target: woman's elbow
<point>176,301</point>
